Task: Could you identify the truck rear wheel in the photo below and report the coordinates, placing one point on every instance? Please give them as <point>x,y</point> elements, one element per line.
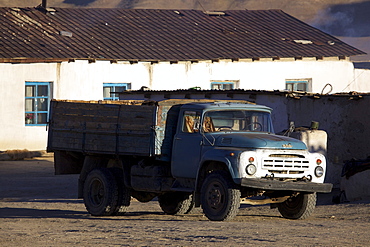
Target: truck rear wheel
<point>175,203</point>
<point>219,197</point>
<point>100,192</point>
<point>124,193</point>
<point>298,207</point>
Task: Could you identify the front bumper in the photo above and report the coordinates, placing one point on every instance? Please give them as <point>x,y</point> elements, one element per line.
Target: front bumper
<point>268,184</point>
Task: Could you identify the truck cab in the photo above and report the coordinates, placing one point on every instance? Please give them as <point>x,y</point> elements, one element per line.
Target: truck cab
<point>242,137</point>
<point>237,140</point>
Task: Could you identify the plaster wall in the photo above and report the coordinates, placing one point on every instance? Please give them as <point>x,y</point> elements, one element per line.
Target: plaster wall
<point>13,132</point>
<point>81,80</point>
<point>260,75</point>
<point>360,82</point>
<point>345,119</point>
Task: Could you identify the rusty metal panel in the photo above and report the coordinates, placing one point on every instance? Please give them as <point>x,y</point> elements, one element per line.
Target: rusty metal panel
<point>33,34</point>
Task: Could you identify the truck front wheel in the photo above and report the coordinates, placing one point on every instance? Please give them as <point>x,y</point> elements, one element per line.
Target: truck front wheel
<point>176,203</point>
<point>100,192</point>
<point>219,197</point>
<point>298,207</point>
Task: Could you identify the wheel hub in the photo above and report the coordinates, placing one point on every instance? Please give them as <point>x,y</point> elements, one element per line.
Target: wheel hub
<point>215,196</point>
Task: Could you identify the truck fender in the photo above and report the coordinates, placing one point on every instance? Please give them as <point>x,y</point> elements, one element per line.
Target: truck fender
<point>90,163</point>
<point>216,159</point>
<point>220,156</point>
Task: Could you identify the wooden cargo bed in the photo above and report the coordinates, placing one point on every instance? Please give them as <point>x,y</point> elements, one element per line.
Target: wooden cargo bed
<point>109,127</point>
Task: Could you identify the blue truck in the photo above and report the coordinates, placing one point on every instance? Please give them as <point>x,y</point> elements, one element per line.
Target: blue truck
<point>188,153</point>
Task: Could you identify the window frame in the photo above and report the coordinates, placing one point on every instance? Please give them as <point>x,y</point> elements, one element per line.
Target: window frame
<point>296,82</point>
<point>35,98</point>
<point>222,83</point>
<point>195,116</point>
<point>114,85</point>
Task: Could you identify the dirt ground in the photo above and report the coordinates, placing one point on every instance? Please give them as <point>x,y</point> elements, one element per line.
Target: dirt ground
<point>38,208</point>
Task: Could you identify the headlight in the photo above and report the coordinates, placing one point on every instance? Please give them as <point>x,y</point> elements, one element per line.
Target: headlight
<point>319,171</point>
<point>250,169</point>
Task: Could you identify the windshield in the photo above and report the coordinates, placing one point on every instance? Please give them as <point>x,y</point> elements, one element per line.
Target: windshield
<point>237,120</point>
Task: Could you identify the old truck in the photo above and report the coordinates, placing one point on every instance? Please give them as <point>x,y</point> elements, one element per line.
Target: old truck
<point>187,153</point>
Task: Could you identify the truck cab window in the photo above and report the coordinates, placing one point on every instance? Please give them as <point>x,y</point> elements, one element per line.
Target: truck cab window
<point>191,121</point>
<point>237,120</point>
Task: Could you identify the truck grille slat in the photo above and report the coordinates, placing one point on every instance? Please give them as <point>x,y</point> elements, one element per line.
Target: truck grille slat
<point>285,164</point>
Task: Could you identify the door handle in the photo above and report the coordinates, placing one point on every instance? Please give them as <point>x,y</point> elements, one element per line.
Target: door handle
<point>177,138</point>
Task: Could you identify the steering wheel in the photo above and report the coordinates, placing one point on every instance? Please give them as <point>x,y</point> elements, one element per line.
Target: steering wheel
<point>257,126</point>
<point>224,127</point>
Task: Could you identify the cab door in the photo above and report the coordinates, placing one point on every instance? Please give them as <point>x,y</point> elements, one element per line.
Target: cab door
<point>187,145</point>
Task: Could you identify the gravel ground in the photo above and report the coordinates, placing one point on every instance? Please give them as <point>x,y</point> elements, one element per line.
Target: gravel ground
<point>39,208</point>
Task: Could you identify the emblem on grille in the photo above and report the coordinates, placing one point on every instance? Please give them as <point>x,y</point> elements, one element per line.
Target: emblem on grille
<point>287,145</point>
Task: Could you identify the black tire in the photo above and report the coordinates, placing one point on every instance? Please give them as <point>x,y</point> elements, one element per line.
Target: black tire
<point>220,197</point>
<point>100,192</point>
<point>124,193</point>
<point>298,207</point>
<point>175,203</point>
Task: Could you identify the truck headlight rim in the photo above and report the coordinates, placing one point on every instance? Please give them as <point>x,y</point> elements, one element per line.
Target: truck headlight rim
<point>319,171</point>
<point>250,169</point>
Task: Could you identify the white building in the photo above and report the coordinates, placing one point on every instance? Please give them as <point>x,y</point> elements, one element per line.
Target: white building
<point>85,54</point>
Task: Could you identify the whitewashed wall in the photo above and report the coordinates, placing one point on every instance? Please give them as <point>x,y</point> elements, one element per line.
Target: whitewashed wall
<point>260,75</point>
<point>13,132</point>
<point>81,80</point>
<point>360,82</point>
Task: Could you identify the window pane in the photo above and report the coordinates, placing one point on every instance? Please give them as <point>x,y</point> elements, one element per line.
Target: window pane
<point>228,86</point>
<point>42,90</point>
<point>29,118</point>
<point>106,92</point>
<point>120,89</point>
<point>289,86</point>
<point>238,120</point>
<point>301,87</point>
<point>42,104</point>
<point>216,86</point>
<point>191,122</point>
<point>222,85</point>
<point>109,90</point>
<point>29,105</point>
<point>42,118</point>
<point>30,91</point>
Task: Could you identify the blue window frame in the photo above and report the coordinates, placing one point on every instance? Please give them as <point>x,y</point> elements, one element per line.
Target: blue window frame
<point>111,90</point>
<point>37,101</point>
<point>222,85</point>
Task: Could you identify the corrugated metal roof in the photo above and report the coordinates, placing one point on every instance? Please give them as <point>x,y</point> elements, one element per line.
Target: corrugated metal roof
<point>160,35</point>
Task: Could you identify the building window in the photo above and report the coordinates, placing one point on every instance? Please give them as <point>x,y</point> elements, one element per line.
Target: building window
<point>111,90</point>
<point>298,85</point>
<point>37,100</point>
<point>223,85</point>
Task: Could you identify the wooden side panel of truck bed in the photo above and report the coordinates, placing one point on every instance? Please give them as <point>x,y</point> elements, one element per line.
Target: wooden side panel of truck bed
<point>102,128</point>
